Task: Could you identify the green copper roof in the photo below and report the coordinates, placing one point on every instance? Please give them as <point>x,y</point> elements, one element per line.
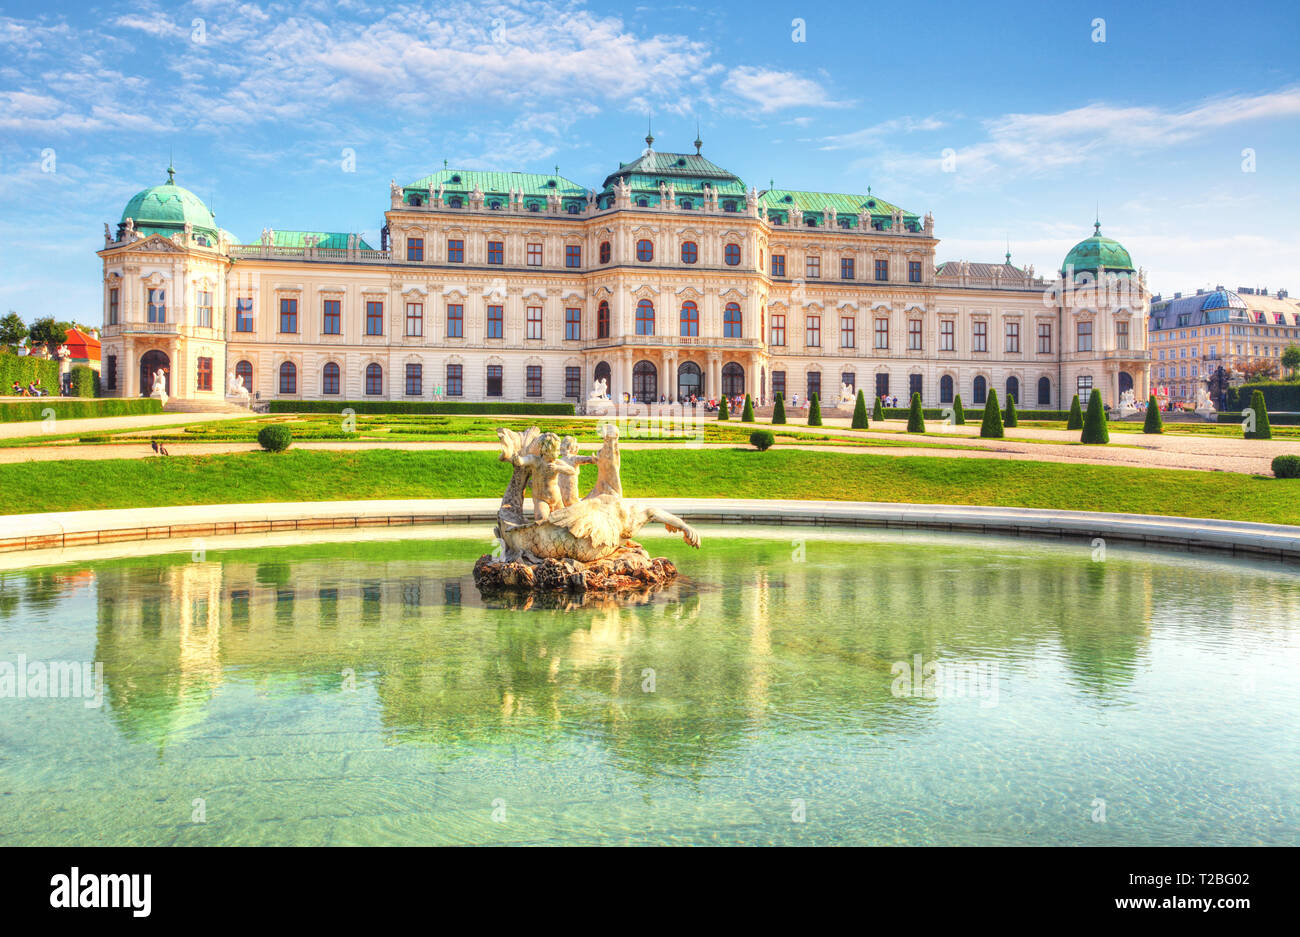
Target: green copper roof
<point>332,239</point>
<point>780,201</point>
<point>166,208</point>
<point>677,168</point>
<point>463,182</point>
<point>1096,251</point>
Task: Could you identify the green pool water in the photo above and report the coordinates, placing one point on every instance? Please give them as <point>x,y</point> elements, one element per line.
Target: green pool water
<point>365,693</point>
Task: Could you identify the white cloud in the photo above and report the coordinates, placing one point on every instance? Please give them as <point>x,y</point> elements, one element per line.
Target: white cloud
<point>774,90</point>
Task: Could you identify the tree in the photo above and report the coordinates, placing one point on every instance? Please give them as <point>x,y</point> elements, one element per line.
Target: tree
<point>878,411</point>
<point>1095,431</point>
<point>747,415</point>
<point>1011,411</point>
<point>12,329</point>
<point>1153,422</point>
<point>815,411</point>
<point>1255,372</point>
<point>958,414</point>
<point>48,332</point>
<point>1076,415</point>
<point>991,428</point>
<point>778,409</point>
<point>1260,414</point>
<point>915,416</point>
<point>1291,360</point>
<point>722,409</point>
<point>860,412</point>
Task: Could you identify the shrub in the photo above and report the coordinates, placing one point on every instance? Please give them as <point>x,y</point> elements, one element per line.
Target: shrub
<point>991,428</point>
<point>1153,424</point>
<point>762,439</point>
<point>1075,420</point>
<point>274,438</point>
<point>860,412</point>
<point>1262,429</point>
<point>1278,395</point>
<point>422,406</point>
<point>33,408</point>
<point>747,415</point>
<point>723,412</point>
<point>915,419</point>
<point>778,410</point>
<point>24,369</point>
<point>1095,431</point>
<point>1286,466</point>
<point>958,414</point>
<point>815,411</point>
<point>1010,419</point>
<point>83,381</point>
<point>878,411</point>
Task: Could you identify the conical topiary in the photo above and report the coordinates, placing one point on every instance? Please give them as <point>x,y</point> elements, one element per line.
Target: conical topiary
<point>958,414</point>
<point>778,408</point>
<point>1153,422</point>
<point>991,428</point>
<point>860,412</point>
<point>1095,432</point>
<point>722,410</point>
<point>1076,415</point>
<point>1010,419</point>
<point>878,411</point>
<point>814,411</point>
<point>915,417</point>
<point>1262,428</point>
<point>747,415</point>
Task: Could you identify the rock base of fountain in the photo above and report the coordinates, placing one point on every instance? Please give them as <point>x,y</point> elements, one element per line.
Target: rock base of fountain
<point>631,569</point>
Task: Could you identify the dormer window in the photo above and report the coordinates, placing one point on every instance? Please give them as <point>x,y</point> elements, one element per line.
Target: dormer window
<point>728,206</point>
<point>643,203</point>
<point>455,202</point>
<point>495,206</point>
<point>534,206</point>
<point>455,180</point>
<point>551,184</point>
<point>574,208</point>
<point>686,204</point>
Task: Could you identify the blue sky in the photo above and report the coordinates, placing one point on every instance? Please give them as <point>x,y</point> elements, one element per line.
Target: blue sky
<point>259,104</point>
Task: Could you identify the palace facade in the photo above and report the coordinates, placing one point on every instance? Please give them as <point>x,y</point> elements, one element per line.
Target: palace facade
<point>674,278</point>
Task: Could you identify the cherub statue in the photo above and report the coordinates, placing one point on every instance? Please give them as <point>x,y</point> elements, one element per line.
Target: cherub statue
<point>569,483</point>
<point>608,461</point>
<point>544,471</point>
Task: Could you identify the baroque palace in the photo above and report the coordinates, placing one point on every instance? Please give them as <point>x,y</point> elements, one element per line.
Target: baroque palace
<point>675,278</point>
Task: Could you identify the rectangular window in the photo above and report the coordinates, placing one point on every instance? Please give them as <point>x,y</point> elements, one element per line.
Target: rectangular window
<point>914,271</point>
<point>1121,336</point>
<point>573,255</point>
<point>455,251</point>
<point>534,323</point>
<point>375,317</point>
<point>882,385</point>
<point>288,315</point>
<point>415,248</point>
<point>846,268</point>
<point>572,325</point>
<point>814,384</point>
<point>455,321</point>
<point>1084,333</point>
<point>1044,338</point>
<point>157,299</point>
<point>979,336</point>
<point>204,380</point>
<point>848,331</point>
<point>332,319</point>
<point>913,385</point>
<point>244,314</point>
<point>1084,386</point>
<point>778,265</point>
<point>496,318</point>
<point>778,383</point>
<point>204,303</point>
<point>1013,337</point>
<point>494,380</point>
<point>533,380</point>
<point>534,255</point>
<point>913,334</point>
<point>414,380</point>
<point>112,306</point>
<point>496,252</point>
<point>414,319</point>
<point>812,266</point>
<point>572,382</point>
<point>112,372</point>
<point>948,335</point>
<point>455,380</point>
<point>813,332</point>
<point>882,333</point>
<point>882,270</point>
<point>778,330</point>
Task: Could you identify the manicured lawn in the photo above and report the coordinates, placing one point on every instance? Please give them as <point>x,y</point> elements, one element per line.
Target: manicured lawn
<point>384,473</point>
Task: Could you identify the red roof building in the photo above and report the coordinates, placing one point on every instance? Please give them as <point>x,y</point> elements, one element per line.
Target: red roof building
<point>82,347</point>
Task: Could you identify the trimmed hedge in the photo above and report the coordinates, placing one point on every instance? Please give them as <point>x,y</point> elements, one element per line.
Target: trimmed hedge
<point>1009,418</point>
<point>815,411</point>
<point>1262,429</point>
<point>1153,424</point>
<point>65,408</point>
<point>1275,419</point>
<point>747,414</point>
<point>958,413</point>
<point>915,418</point>
<point>723,412</point>
<point>24,369</point>
<point>274,438</point>
<point>83,381</point>
<point>1075,418</point>
<point>1278,395</point>
<point>1286,466</point>
<point>860,412</point>
<point>878,411</point>
<point>762,439</point>
<point>778,411</point>
<point>422,406</point>
<point>991,427</point>
<point>1095,431</point>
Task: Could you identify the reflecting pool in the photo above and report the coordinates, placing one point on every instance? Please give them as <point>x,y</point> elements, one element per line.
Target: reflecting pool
<point>797,687</point>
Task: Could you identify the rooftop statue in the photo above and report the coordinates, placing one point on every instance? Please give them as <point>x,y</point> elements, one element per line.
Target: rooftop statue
<point>571,543</point>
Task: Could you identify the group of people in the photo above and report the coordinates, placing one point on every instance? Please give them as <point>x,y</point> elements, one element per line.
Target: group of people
<point>33,389</point>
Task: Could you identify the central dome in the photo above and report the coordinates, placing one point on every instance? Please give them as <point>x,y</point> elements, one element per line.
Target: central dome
<point>165,209</point>
<point>1097,251</point>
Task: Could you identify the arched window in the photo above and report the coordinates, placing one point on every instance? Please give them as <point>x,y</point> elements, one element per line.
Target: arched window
<point>1044,392</point>
<point>731,321</point>
<point>732,254</point>
<point>981,390</point>
<point>1013,388</point>
<point>645,251</point>
<point>690,319</point>
<point>690,252</point>
<point>604,252</point>
<point>945,389</point>
<point>645,382</point>
<point>690,380</point>
<point>686,203</point>
<point>454,202</point>
<point>374,379</point>
<point>329,378</point>
<point>645,317</point>
<point>245,370</point>
<point>288,378</point>
<point>602,320</point>
<point>733,380</point>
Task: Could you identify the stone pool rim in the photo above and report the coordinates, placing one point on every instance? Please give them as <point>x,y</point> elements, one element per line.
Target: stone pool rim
<point>57,531</point>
